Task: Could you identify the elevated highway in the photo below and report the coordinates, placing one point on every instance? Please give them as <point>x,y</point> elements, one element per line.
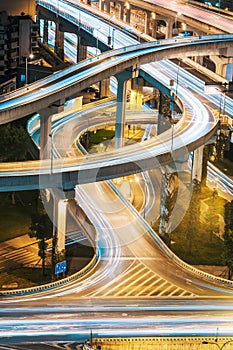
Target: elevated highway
<point>135,275</point>
<point>56,88</point>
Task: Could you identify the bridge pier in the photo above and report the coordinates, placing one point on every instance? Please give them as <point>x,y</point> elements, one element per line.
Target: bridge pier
<point>136,93</point>
<point>153,24</point>
<point>101,5</point>
<point>104,87</point>
<point>121,11</point>
<point>122,79</point>
<point>59,226</point>
<point>81,49</point>
<point>197,163</point>
<point>59,42</point>
<point>45,129</point>
<point>169,191</point>
<point>45,32</point>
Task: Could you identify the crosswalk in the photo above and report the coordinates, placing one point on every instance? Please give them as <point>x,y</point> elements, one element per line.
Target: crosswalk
<point>139,280</point>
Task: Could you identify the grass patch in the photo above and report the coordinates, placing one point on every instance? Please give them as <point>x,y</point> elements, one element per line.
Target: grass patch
<point>100,136</point>
<point>15,219</point>
<point>202,245</point>
<point>206,249</point>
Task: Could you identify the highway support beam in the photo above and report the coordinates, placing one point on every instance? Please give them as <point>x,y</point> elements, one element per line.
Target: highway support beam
<point>147,22</point>
<point>81,49</point>
<point>197,164</point>
<point>101,5</point>
<point>107,3</point>
<point>104,88</point>
<point>45,32</point>
<point>46,127</point>
<point>60,223</point>
<point>168,197</point>
<point>127,12</point>
<point>122,78</point>
<point>136,93</point>
<point>121,11</point>
<point>59,42</point>
<point>154,22</point>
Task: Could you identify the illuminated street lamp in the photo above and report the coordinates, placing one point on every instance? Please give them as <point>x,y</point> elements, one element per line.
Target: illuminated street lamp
<point>26,67</point>
<point>216,343</point>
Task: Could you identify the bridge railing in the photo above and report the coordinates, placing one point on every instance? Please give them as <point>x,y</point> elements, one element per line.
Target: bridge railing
<point>55,284</point>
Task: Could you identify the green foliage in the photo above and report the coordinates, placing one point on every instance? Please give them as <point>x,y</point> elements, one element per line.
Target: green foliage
<point>42,229</point>
<point>228,216</point>
<point>15,220</point>
<point>228,250</point>
<point>196,240</point>
<point>193,217</point>
<point>228,238</point>
<point>14,143</point>
<point>90,138</point>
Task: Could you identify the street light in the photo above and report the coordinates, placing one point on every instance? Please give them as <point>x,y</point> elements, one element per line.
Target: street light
<point>26,67</point>
<point>113,31</point>
<point>97,40</point>
<point>51,153</point>
<point>215,343</point>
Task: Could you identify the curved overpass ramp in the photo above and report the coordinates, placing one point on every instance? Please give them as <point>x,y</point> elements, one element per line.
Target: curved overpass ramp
<point>54,89</point>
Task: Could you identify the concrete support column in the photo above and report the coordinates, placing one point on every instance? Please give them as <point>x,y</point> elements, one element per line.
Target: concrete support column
<point>197,163</point>
<point>120,108</point>
<point>45,132</point>
<point>163,112</point>
<point>45,129</point>
<point>136,93</point>
<point>121,11</point>
<point>59,43</point>
<point>81,50</point>
<point>107,2</point>
<point>59,228</point>
<point>221,64</point>
<point>169,28</point>
<point>199,59</point>
<point>169,190</point>
<point>101,5</point>
<point>147,22</point>
<point>127,12</point>
<point>46,33</point>
<point>104,88</point>
<point>153,24</point>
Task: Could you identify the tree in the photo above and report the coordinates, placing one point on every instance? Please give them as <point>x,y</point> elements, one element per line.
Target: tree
<point>14,143</point>
<point>228,215</point>
<point>228,238</point>
<point>228,251</point>
<point>168,200</point>
<point>42,229</point>
<point>193,219</point>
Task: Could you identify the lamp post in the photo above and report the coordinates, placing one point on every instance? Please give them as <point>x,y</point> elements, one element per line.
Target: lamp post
<point>51,154</point>
<point>97,40</point>
<point>26,67</point>
<point>113,31</point>
<point>216,343</point>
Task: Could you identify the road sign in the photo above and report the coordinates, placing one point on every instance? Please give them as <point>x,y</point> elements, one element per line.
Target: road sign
<point>60,267</point>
